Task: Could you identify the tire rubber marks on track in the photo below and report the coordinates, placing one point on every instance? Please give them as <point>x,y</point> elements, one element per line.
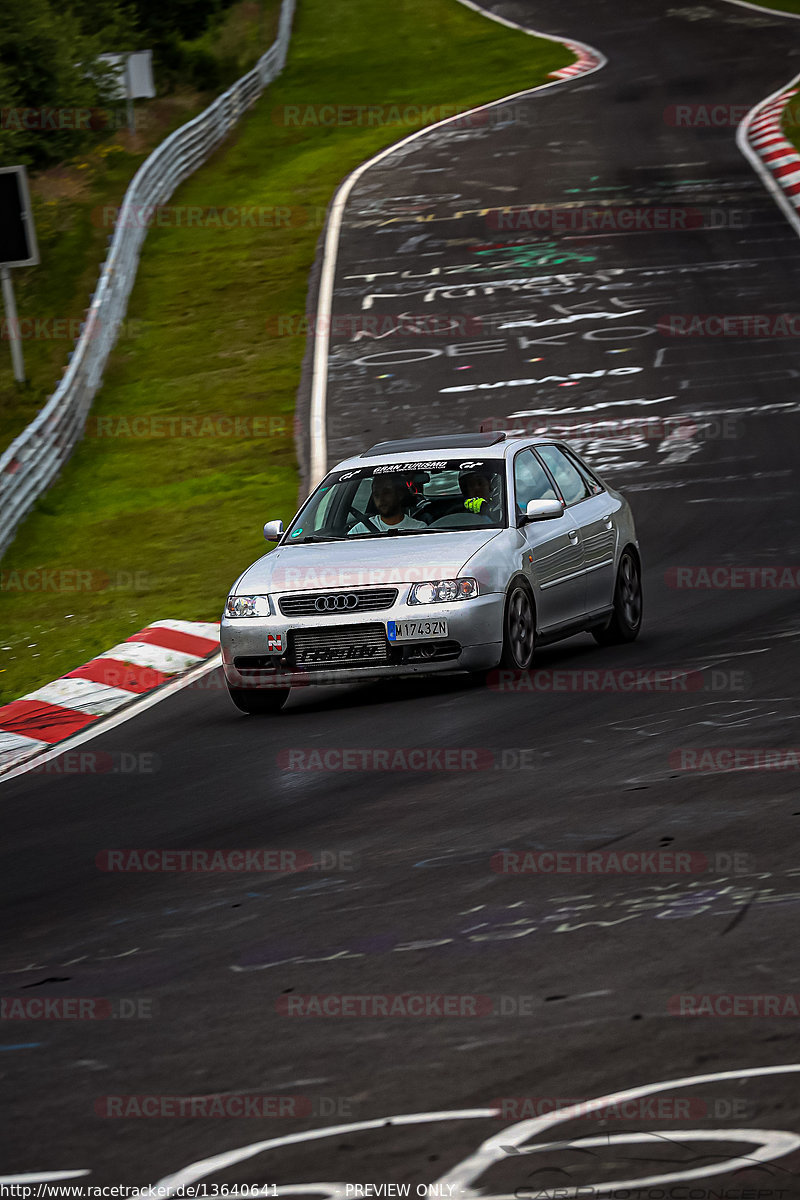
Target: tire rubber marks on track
<point>319,380</point>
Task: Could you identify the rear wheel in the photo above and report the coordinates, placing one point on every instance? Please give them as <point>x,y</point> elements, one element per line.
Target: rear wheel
<point>626,619</point>
<point>258,701</point>
<point>519,629</point>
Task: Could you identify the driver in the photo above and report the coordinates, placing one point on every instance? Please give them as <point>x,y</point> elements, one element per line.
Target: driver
<point>476,488</point>
<point>388,493</point>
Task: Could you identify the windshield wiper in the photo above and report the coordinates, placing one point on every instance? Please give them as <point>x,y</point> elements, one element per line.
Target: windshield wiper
<point>312,537</point>
<point>446,529</point>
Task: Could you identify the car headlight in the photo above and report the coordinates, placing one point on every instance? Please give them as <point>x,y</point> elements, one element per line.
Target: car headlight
<point>439,591</point>
<point>248,606</point>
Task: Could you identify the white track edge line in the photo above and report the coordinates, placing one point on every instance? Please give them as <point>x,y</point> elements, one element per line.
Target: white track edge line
<point>104,724</point>
<point>319,379</point>
<point>762,8</point>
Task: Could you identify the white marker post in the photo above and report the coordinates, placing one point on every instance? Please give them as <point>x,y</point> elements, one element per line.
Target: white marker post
<point>18,248</point>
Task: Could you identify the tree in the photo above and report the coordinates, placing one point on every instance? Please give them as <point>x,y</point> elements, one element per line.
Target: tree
<point>49,78</point>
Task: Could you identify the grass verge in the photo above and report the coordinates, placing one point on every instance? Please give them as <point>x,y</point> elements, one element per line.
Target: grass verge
<point>788,6</point>
<point>161,525</point>
<point>790,121</point>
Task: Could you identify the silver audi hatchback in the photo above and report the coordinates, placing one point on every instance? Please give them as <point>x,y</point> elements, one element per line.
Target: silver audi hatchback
<point>458,553</point>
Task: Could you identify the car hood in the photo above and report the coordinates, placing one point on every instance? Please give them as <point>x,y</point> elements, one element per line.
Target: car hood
<point>369,562</point>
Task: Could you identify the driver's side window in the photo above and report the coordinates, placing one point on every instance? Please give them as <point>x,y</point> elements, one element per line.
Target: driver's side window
<point>530,481</point>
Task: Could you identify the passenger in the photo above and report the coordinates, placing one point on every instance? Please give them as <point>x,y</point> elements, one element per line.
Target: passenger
<point>388,494</point>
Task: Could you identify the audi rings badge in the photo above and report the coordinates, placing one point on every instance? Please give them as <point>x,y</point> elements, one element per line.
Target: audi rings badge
<point>336,603</point>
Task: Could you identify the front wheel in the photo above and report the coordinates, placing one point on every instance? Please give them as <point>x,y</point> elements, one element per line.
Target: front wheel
<point>519,629</point>
<point>258,701</point>
<point>626,618</point>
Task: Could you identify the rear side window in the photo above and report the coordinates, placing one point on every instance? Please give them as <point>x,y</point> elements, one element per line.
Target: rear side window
<point>573,486</point>
<point>595,486</point>
<point>530,481</point>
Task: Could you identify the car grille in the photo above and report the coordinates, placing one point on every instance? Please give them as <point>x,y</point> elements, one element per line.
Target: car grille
<point>339,646</point>
<point>305,603</point>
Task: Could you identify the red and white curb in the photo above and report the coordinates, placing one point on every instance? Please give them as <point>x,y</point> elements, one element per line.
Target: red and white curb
<point>761,139</point>
<point>587,60</point>
<point>770,143</point>
<point>144,661</point>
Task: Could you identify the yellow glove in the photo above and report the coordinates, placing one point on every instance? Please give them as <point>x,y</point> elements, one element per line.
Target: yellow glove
<point>474,504</point>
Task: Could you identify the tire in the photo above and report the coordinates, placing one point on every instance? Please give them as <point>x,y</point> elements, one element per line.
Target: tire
<point>626,619</point>
<point>258,701</point>
<point>519,629</point>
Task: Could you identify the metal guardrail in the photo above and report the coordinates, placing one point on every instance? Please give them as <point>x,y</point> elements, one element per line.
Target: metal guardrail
<point>33,459</point>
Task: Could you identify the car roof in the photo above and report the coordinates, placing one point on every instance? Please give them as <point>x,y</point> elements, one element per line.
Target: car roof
<point>429,449</point>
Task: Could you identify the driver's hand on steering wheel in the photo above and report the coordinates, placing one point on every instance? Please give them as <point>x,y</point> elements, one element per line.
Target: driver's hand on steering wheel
<point>475,503</point>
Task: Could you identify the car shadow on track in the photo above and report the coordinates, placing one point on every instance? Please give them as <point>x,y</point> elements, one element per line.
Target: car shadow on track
<point>579,651</point>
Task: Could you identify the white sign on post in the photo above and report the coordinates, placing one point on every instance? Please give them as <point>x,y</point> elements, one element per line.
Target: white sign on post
<point>134,78</point>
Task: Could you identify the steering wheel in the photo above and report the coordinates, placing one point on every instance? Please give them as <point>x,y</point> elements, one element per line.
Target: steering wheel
<point>423,511</point>
<point>364,519</point>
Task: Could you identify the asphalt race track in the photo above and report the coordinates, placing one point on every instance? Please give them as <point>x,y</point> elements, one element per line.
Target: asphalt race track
<point>523,327</point>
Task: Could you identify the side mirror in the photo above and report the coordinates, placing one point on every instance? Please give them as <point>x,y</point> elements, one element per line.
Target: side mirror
<point>543,510</point>
<point>273,531</point>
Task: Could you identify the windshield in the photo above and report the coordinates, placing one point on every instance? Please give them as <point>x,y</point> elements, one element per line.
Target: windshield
<point>402,499</point>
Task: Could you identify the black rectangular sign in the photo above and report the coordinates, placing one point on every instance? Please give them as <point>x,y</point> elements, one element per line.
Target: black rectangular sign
<point>17,234</point>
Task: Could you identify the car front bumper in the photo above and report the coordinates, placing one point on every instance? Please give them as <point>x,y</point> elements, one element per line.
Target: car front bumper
<point>473,643</point>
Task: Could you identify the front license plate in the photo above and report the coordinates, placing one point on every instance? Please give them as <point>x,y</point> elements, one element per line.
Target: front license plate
<point>412,631</point>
